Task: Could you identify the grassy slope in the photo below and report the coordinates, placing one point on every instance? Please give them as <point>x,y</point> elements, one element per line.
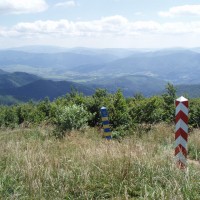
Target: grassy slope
<point>84,166</point>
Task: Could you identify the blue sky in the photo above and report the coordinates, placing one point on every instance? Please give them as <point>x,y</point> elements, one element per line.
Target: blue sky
<point>100,23</point>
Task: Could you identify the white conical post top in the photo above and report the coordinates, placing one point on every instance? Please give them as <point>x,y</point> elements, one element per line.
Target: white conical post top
<point>181,99</point>
<point>103,108</point>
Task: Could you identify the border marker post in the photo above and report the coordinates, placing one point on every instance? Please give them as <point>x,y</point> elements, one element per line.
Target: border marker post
<point>107,132</point>
<point>181,135</point>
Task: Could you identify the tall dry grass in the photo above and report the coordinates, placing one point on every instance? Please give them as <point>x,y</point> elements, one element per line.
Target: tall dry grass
<point>34,165</point>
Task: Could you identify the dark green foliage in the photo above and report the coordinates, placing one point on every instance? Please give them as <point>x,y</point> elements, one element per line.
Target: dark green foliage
<point>169,103</point>
<point>91,103</point>
<point>30,113</point>
<point>44,107</point>
<point>8,117</point>
<point>118,110</point>
<point>95,103</point>
<point>194,113</point>
<point>124,114</point>
<point>147,110</point>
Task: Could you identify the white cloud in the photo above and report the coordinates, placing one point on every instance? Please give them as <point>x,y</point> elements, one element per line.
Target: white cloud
<point>114,31</point>
<point>107,26</point>
<point>181,10</point>
<point>145,26</point>
<point>22,6</point>
<point>69,3</point>
<point>113,26</point>
<point>2,32</point>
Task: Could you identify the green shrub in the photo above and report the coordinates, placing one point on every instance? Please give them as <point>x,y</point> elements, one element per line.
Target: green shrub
<point>30,113</point>
<point>194,113</point>
<point>118,111</point>
<point>168,104</point>
<point>149,110</point>
<point>70,117</point>
<point>8,116</point>
<point>94,104</point>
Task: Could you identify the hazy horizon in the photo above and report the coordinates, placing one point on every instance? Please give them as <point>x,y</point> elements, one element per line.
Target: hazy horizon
<point>97,48</point>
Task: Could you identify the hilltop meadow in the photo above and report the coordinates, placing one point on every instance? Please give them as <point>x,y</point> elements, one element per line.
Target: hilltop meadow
<point>55,150</point>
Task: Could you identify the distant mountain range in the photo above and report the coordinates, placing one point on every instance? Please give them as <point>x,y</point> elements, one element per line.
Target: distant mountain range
<point>57,69</point>
<point>182,66</point>
<point>63,60</point>
<point>179,66</point>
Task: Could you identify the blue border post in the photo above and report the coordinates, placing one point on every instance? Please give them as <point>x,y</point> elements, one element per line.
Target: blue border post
<point>105,122</point>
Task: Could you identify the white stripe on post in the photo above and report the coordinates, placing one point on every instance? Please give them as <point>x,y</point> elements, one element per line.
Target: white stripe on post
<point>181,135</point>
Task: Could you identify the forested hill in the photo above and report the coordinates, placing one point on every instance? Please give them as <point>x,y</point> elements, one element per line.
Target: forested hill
<point>40,89</point>
<point>16,79</point>
<point>20,86</point>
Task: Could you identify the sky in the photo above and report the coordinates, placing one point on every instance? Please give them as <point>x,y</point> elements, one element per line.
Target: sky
<point>100,23</point>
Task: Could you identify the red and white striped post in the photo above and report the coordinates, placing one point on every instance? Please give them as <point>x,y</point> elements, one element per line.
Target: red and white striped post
<point>181,135</point>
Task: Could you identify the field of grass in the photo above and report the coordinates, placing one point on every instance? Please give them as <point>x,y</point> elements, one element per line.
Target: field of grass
<point>35,165</point>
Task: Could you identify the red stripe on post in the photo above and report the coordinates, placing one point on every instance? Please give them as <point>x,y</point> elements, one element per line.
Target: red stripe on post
<point>181,133</point>
<point>183,116</point>
<point>185,103</point>
<point>177,102</point>
<point>180,148</point>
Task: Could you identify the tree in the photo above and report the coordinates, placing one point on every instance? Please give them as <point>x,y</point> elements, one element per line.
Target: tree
<point>169,105</point>
<point>94,105</point>
<point>118,110</point>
